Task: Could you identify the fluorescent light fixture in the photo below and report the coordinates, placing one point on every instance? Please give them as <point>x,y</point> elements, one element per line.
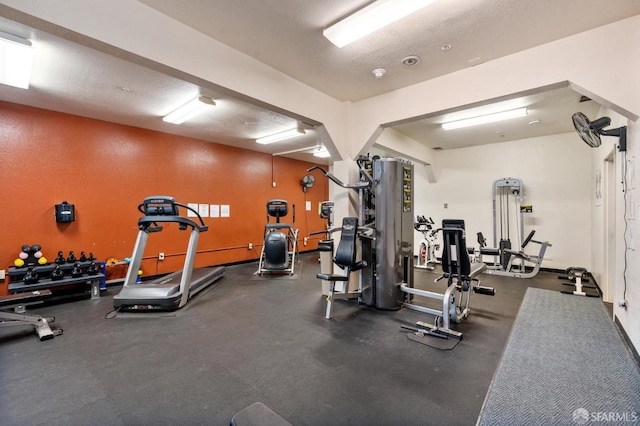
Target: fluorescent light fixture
<point>375,16</point>
<point>16,60</point>
<point>490,118</point>
<point>189,110</point>
<point>322,153</point>
<point>287,134</point>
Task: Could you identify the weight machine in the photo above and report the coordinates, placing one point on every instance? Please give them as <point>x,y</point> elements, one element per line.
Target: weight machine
<point>460,274</point>
<point>503,191</point>
<point>383,231</point>
<point>506,260</point>
<point>517,259</point>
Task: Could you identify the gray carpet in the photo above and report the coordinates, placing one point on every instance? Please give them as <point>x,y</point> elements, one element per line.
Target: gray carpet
<point>564,363</point>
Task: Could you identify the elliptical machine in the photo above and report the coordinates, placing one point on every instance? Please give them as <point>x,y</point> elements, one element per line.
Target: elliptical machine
<point>280,240</point>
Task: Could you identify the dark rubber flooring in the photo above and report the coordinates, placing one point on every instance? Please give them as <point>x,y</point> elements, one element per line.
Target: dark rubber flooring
<point>246,340</point>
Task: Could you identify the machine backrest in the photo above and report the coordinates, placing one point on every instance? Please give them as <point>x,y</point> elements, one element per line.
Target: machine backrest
<point>455,258</point>
<point>346,252</point>
<point>277,209</point>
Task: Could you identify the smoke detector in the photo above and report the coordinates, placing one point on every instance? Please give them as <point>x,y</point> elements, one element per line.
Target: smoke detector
<point>379,72</point>
<point>411,60</point>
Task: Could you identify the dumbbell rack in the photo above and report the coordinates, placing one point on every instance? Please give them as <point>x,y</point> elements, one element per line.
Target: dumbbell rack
<point>96,281</point>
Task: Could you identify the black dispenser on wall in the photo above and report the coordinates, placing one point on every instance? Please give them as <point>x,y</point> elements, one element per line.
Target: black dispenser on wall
<point>65,212</point>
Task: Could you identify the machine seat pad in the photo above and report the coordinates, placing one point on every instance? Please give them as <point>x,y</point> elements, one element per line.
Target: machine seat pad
<point>278,226</point>
<point>332,277</point>
<point>477,268</point>
<point>258,414</point>
<point>490,251</point>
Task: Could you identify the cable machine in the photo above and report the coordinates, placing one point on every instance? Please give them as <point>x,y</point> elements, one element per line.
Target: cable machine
<point>385,232</point>
<point>507,191</point>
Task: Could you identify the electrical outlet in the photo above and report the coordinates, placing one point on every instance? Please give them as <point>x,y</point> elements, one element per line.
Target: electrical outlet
<point>305,241</point>
<point>160,256</point>
<point>250,246</point>
<point>2,272</point>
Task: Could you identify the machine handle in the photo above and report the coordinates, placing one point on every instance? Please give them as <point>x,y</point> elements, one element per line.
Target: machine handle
<point>359,185</point>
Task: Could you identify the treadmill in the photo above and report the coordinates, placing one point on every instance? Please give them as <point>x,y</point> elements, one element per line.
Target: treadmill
<point>172,291</point>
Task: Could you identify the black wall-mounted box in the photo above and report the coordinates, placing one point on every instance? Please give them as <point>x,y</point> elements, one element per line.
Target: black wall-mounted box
<point>65,212</point>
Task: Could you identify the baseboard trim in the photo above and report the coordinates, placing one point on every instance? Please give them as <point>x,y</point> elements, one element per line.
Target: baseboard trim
<point>628,341</point>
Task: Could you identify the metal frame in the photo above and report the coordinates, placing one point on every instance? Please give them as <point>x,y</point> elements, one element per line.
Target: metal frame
<point>455,306</point>
<point>18,317</point>
<point>275,208</point>
<point>292,249</point>
<point>134,296</point>
<point>523,257</point>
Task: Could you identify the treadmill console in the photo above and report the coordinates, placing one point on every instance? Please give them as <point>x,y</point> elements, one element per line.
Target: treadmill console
<point>159,206</point>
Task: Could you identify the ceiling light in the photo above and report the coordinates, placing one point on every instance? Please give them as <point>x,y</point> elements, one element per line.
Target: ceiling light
<point>287,134</point>
<point>490,118</point>
<point>16,60</point>
<point>322,153</point>
<point>375,16</point>
<point>379,72</point>
<point>189,110</point>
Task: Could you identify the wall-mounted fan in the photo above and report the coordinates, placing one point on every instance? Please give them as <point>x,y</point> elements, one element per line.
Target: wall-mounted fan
<point>590,131</point>
<point>307,182</point>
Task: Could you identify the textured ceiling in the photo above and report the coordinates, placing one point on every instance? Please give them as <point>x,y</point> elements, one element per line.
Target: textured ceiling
<point>287,35</point>
<point>71,76</point>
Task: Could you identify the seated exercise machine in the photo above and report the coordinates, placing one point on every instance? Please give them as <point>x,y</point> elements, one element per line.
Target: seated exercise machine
<point>428,244</point>
<point>460,273</point>
<point>345,258</point>
<point>173,291</point>
<point>325,246</point>
<point>280,240</point>
<point>515,265</point>
<point>12,313</point>
<point>383,234</point>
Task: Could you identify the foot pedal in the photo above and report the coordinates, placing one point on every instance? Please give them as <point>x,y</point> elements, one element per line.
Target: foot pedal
<point>489,291</point>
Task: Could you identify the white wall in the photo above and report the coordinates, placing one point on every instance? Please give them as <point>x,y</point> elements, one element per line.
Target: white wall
<point>556,175</point>
<point>627,230</point>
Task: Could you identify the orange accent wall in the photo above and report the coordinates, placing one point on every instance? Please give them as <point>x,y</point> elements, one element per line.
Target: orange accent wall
<point>107,169</point>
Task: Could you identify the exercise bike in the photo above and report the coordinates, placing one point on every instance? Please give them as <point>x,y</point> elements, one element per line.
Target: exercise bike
<point>428,244</point>
<point>280,240</point>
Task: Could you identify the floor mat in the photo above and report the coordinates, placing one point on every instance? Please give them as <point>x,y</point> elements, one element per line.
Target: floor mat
<point>564,363</point>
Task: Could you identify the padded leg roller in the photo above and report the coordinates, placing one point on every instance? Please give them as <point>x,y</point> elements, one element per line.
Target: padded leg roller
<point>258,414</point>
